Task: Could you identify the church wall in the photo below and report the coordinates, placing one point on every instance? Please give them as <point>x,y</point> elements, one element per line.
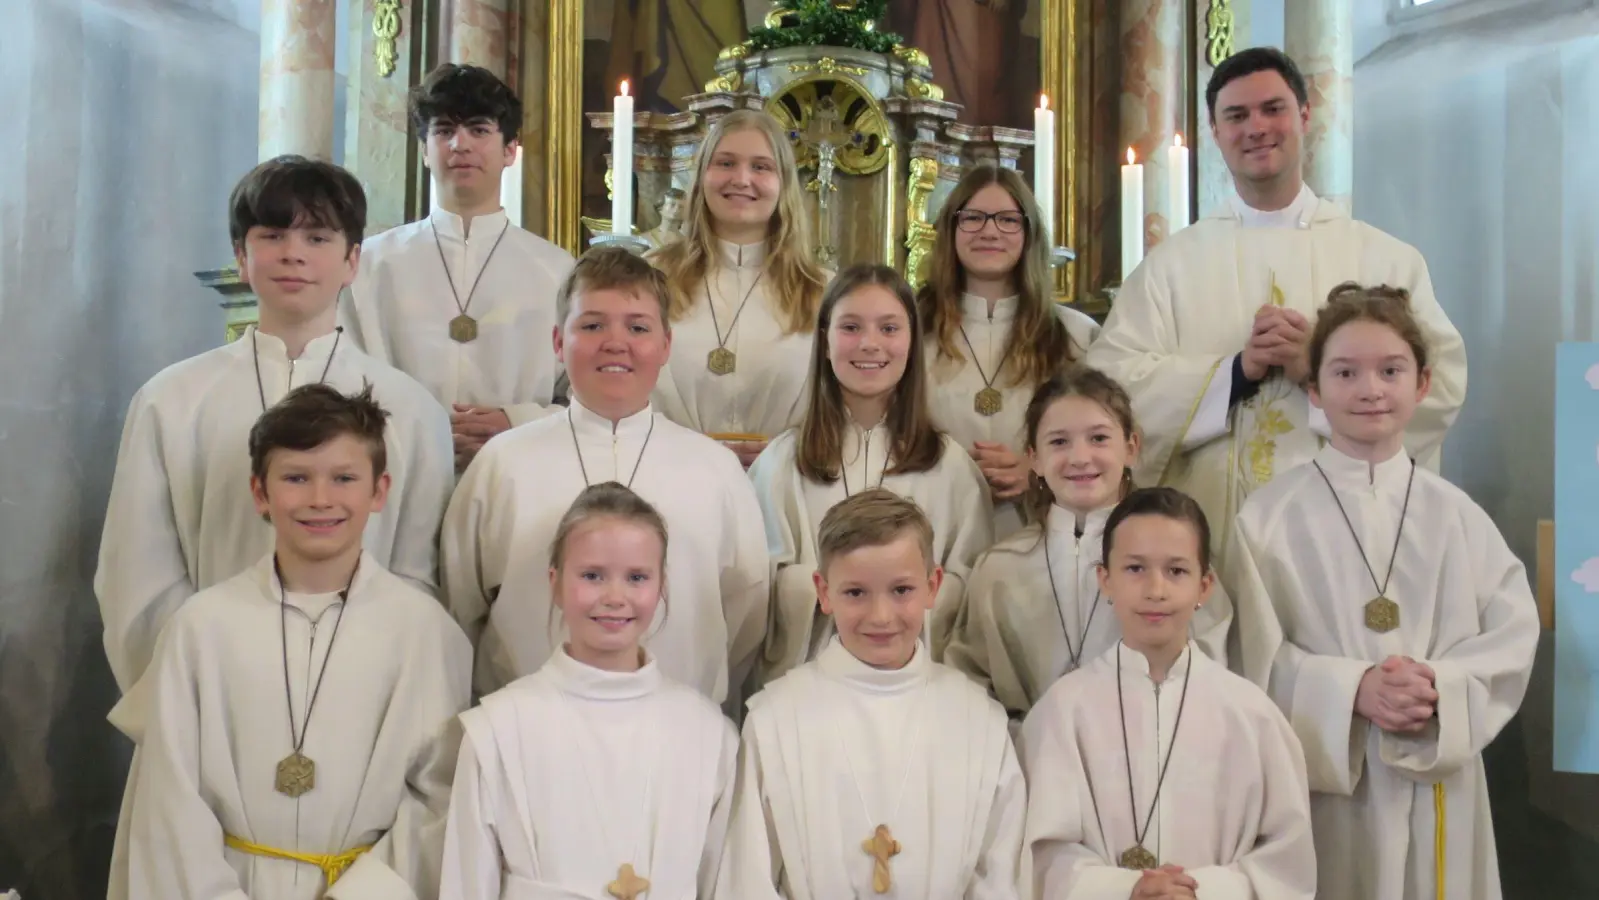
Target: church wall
<point>127,124</point>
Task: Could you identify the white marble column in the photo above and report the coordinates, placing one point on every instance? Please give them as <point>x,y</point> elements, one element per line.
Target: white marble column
<point>1319,35</point>
<point>1153,107</point>
<point>296,102</point>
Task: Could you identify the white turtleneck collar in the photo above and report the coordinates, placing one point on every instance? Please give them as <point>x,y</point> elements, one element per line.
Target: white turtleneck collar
<point>587,421</point>
<point>1295,215</point>
<point>1392,474</point>
<point>265,575</point>
<point>975,308</point>
<point>452,227</point>
<point>741,256</point>
<point>272,350</point>
<point>588,683</point>
<point>837,663</point>
<point>1135,663</point>
<point>1063,522</point>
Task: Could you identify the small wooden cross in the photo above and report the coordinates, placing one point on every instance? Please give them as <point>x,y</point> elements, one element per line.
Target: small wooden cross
<point>627,885</point>
<point>880,846</point>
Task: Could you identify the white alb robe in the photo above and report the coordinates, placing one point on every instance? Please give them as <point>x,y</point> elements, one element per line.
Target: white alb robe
<point>952,494</point>
<point>212,721</point>
<point>764,394</point>
<point>567,774</point>
<point>1233,811</point>
<point>1466,611</point>
<point>955,384</point>
<point>1010,636</point>
<point>181,517</point>
<point>496,543</point>
<point>400,307</point>
<point>836,748</point>
<point>1187,311</point>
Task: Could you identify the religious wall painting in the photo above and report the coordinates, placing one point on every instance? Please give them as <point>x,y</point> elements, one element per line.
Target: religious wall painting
<point>985,54</point>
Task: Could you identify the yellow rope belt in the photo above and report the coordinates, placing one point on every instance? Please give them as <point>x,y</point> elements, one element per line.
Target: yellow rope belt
<point>332,864</point>
<point>1439,835</point>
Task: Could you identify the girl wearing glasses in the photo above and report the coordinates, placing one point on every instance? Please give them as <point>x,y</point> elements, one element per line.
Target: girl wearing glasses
<point>994,328</point>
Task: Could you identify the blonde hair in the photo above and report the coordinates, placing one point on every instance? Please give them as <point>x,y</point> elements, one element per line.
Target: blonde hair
<point>606,500</point>
<point>915,445</point>
<point>1038,345</point>
<point>872,518</point>
<point>610,268</point>
<point>795,277</point>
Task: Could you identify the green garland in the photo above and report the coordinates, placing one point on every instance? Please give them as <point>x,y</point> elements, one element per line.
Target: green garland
<point>811,23</point>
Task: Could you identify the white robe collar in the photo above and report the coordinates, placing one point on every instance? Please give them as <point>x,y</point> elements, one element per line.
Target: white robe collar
<point>452,227</point>
<point>272,350</point>
<point>265,577</point>
<point>1298,214</point>
<point>1063,523</point>
<point>975,308</point>
<point>839,664</point>
<point>1348,473</point>
<point>741,256</point>
<point>588,683</point>
<point>586,421</point>
<point>1135,663</point>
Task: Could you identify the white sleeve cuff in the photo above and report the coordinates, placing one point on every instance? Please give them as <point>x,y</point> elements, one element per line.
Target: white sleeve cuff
<point>1210,418</point>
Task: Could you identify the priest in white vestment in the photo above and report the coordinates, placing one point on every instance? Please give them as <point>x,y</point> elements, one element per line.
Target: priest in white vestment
<point>1208,333</point>
<point>464,300</point>
<point>497,532</point>
<point>873,771</point>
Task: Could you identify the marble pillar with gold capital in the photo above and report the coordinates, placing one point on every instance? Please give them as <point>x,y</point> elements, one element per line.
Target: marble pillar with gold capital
<point>1319,35</point>
<point>296,102</point>
<point>1153,105</point>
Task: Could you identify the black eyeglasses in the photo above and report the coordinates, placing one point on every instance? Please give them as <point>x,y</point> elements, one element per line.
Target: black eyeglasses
<point>972,221</point>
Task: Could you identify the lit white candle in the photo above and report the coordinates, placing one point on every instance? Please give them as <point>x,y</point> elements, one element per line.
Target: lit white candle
<point>511,189</point>
<point>622,163</point>
<point>1132,215</point>
<point>1044,165</point>
<point>1177,215</point>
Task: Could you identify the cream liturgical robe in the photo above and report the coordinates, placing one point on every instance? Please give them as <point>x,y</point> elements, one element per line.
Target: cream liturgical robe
<point>764,392</point>
<point>955,384</point>
<point>952,494</point>
<point>400,308</point>
<point>1187,311</point>
<point>215,724</point>
<point>181,517</point>
<point>836,748</point>
<point>1233,810</point>
<point>1465,610</point>
<point>1020,631</point>
<point>497,533</point>
<point>571,773</point>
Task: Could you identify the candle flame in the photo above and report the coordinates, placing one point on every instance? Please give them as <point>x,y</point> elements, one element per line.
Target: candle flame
<point>1178,141</point>
<point>1043,101</point>
<point>624,87</point>
<point>1131,159</point>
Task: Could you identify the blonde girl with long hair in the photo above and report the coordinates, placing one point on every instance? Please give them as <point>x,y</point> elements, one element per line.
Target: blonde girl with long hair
<point>745,288</point>
<point>989,312</point>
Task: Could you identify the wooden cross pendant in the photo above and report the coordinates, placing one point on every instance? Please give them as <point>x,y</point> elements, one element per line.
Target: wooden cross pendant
<point>880,846</point>
<point>627,886</point>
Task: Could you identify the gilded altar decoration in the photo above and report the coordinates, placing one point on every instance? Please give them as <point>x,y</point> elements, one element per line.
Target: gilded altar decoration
<point>1218,32</point>
<point>919,232</point>
<point>386,27</point>
<point>825,66</point>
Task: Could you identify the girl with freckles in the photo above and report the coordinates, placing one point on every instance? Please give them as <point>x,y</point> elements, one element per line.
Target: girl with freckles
<point>1034,610</point>
<point>1387,617</point>
<point>866,425</point>
<point>1153,772</point>
<point>596,776</point>
<point>744,289</point>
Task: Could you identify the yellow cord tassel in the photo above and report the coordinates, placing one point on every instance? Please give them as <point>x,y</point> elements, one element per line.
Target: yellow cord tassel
<point>1440,839</point>
<point>332,864</point>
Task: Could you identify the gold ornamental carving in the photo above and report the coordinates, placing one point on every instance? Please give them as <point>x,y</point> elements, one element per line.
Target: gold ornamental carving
<point>839,112</point>
<point>825,66</point>
<point>1218,32</point>
<point>911,56</point>
<point>731,83</point>
<point>919,232</point>
<point>386,28</point>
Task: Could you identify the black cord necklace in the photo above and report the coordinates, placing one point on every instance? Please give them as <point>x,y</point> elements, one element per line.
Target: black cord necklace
<point>1136,857</point>
<point>296,772</point>
<point>579,450</point>
<point>1382,613</point>
<point>255,355</point>
<point>1076,655</point>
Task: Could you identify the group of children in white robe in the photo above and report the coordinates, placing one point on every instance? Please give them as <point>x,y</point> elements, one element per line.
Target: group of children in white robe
<point>618,576</point>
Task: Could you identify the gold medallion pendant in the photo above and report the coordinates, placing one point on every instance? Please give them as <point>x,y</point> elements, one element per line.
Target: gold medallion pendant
<point>1382,615</point>
<point>296,775</point>
<point>721,361</point>
<point>463,329</point>
<point>1138,859</point>
<point>989,401</point>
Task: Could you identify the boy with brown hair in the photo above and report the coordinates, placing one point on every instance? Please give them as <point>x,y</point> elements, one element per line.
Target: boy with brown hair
<point>933,804</point>
<point>341,781</point>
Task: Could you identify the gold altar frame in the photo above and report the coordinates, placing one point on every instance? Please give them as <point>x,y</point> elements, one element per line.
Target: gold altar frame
<point>558,120</point>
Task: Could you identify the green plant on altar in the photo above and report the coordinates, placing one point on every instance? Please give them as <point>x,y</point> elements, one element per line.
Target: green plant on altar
<point>830,23</point>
